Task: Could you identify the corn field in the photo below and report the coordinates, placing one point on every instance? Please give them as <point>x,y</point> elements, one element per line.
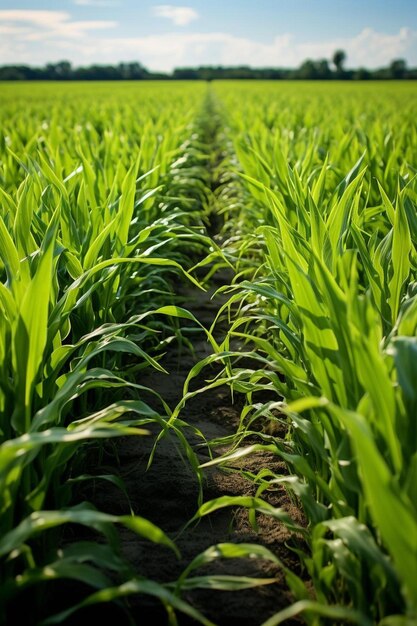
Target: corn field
<point>118,208</point>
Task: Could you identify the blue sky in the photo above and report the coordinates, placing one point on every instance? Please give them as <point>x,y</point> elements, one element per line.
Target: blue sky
<point>163,36</point>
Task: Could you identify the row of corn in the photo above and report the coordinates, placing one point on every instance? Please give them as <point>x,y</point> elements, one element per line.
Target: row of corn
<point>325,250</point>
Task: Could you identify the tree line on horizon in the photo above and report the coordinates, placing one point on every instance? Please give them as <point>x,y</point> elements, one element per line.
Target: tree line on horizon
<point>310,69</point>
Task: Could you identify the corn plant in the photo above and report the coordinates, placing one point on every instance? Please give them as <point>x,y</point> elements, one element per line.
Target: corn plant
<point>92,236</point>
<point>325,293</point>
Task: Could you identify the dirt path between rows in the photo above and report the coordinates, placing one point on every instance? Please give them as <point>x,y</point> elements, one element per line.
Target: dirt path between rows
<point>167,493</point>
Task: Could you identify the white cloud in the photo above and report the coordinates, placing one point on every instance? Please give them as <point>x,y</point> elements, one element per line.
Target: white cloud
<point>96,3</point>
<point>163,52</point>
<point>40,18</point>
<point>369,48</point>
<point>37,37</point>
<point>6,29</point>
<point>45,26</point>
<point>180,16</point>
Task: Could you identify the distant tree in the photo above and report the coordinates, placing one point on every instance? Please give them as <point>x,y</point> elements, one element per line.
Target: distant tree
<point>311,69</point>
<point>185,73</point>
<point>362,74</point>
<point>137,71</point>
<point>123,69</point>
<point>307,70</point>
<point>339,57</point>
<point>11,72</point>
<point>398,68</point>
<point>323,69</point>
<point>58,71</point>
<point>63,69</point>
